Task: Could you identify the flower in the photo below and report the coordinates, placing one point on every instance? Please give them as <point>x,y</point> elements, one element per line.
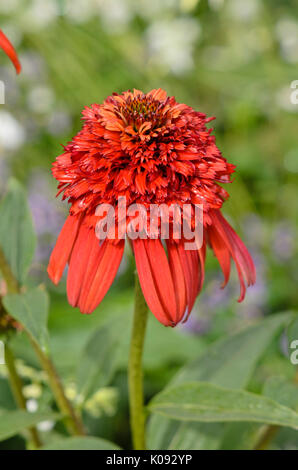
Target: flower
<point>8,48</point>
<point>150,150</point>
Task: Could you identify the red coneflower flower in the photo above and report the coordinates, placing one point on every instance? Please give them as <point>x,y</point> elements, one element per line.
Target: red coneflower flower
<point>151,150</point>
<point>8,48</point>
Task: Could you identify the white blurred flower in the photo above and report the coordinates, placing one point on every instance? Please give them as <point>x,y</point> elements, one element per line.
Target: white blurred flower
<point>216,4</point>
<point>32,405</point>
<point>46,426</point>
<point>8,7</point>
<point>244,10</point>
<point>115,14</point>
<point>75,12</point>
<point>154,8</point>
<point>32,391</point>
<point>188,5</point>
<point>12,134</point>
<point>287,35</point>
<point>103,401</point>
<point>39,14</point>
<point>41,99</point>
<point>171,43</point>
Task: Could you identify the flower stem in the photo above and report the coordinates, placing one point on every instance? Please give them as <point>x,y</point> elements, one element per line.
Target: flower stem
<point>17,390</point>
<point>267,437</point>
<point>135,372</point>
<point>8,276</point>
<point>73,422</point>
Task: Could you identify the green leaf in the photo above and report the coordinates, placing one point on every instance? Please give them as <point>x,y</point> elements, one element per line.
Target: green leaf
<point>282,391</point>
<point>100,357</point>
<point>82,443</point>
<point>230,363</point>
<point>209,403</point>
<point>196,436</point>
<point>31,310</point>
<point>17,236</point>
<point>13,422</point>
<point>240,436</point>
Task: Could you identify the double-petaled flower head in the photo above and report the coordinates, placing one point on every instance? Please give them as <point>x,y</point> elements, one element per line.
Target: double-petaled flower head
<point>150,150</point>
<point>8,48</point>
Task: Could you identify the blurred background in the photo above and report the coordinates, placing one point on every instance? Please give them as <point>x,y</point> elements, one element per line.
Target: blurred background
<point>233,59</point>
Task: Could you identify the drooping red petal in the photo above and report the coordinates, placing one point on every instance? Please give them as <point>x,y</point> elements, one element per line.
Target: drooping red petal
<point>149,279</point>
<point>247,262</point>
<point>238,251</point>
<point>78,262</point>
<point>201,259</point>
<point>97,250</point>
<point>63,248</point>
<point>178,279</point>
<point>189,262</point>
<point>8,48</point>
<point>162,275</point>
<point>104,276</point>
<point>221,252</point>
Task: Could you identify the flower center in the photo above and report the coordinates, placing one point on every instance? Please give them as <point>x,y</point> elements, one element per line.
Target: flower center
<point>142,109</point>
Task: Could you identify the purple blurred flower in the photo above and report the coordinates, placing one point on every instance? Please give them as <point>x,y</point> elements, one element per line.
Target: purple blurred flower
<point>47,215</point>
<point>283,241</point>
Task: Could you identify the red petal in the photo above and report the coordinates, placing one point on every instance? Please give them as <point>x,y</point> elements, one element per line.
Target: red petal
<point>238,251</point>
<point>8,48</point>
<point>202,257</point>
<point>246,260</point>
<point>63,248</point>
<point>78,263</point>
<point>104,276</point>
<point>178,279</point>
<point>148,283</point>
<point>162,275</point>
<point>221,252</point>
<point>97,250</point>
<point>189,262</point>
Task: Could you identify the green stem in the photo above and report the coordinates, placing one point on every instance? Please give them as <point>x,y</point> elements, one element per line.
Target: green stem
<point>72,421</point>
<point>267,437</point>
<point>11,282</point>
<point>135,372</point>
<point>17,390</point>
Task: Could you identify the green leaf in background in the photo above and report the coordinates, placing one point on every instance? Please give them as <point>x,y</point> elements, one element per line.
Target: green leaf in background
<point>230,363</point>
<point>82,443</point>
<point>100,357</point>
<point>240,436</point>
<point>17,236</point>
<point>13,422</point>
<point>282,391</point>
<point>209,403</point>
<point>196,436</point>
<point>31,310</point>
